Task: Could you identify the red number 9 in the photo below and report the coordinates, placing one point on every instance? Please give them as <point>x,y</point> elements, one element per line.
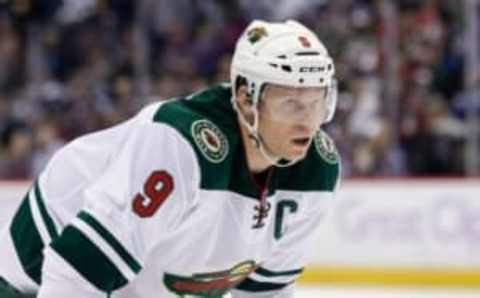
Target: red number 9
<point>158,187</point>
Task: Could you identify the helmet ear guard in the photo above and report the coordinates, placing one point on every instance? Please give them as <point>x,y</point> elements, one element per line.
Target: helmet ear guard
<point>250,99</point>
<point>242,81</point>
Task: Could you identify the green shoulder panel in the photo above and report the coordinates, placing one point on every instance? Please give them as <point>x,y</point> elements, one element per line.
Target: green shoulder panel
<point>208,122</point>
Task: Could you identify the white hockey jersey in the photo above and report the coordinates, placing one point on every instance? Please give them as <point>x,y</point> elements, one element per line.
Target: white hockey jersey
<point>162,206</point>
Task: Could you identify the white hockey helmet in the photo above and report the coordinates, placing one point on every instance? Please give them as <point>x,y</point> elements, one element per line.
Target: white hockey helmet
<point>287,54</point>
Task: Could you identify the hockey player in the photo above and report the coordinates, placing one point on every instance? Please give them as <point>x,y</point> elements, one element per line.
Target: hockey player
<point>216,192</point>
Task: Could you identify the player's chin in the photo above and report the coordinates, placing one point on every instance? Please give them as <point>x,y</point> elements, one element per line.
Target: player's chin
<point>296,153</point>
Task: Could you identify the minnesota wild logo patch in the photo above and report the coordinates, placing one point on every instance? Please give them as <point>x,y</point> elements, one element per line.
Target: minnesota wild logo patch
<point>257,33</point>
<point>209,285</point>
<point>210,140</point>
<point>326,147</point>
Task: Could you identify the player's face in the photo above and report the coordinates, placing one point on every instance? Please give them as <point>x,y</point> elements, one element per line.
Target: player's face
<point>289,117</point>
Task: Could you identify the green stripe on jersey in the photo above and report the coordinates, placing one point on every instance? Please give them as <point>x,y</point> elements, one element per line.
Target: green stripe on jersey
<point>268,273</point>
<point>85,257</point>
<point>9,291</point>
<point>111,240</point>
<point>27,241</point>
<point>251,285</point>
<point>43,211</point>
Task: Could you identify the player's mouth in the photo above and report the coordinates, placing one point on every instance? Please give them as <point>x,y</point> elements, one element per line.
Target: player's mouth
<point>301,142</point>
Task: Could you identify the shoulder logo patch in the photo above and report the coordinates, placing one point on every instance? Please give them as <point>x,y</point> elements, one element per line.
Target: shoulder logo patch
<point>326,147</point>
<point>210,140</point>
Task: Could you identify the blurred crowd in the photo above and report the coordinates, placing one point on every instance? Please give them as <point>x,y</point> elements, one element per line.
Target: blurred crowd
<point>70,67</point>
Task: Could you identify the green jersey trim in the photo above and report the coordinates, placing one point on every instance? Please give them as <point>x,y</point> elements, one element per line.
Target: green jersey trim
<point>27,241</point>
<point>250,285</point>
<point>44,213</point>
<point>7,290</point>
<point>74,247</point>
<point>111,240</point>
<point>268,273</point>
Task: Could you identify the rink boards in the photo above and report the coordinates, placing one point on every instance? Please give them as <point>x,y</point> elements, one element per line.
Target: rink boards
<point>424,232</point>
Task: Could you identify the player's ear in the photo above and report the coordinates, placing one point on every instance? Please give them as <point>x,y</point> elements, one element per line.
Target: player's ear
<point>245,103</point>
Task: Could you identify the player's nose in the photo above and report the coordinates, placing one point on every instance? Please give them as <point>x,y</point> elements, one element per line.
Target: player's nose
<point>308,123</point>
<point>305,128</point>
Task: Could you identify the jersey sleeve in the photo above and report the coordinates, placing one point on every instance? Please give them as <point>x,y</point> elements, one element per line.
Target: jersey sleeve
<point>141,196</point>
<point>295,244</point>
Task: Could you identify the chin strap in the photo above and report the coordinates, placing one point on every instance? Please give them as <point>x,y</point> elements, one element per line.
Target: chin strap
<point>257,139</point>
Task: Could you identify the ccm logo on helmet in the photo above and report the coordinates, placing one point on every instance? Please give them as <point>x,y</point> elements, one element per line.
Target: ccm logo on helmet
<point>312,69</point>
